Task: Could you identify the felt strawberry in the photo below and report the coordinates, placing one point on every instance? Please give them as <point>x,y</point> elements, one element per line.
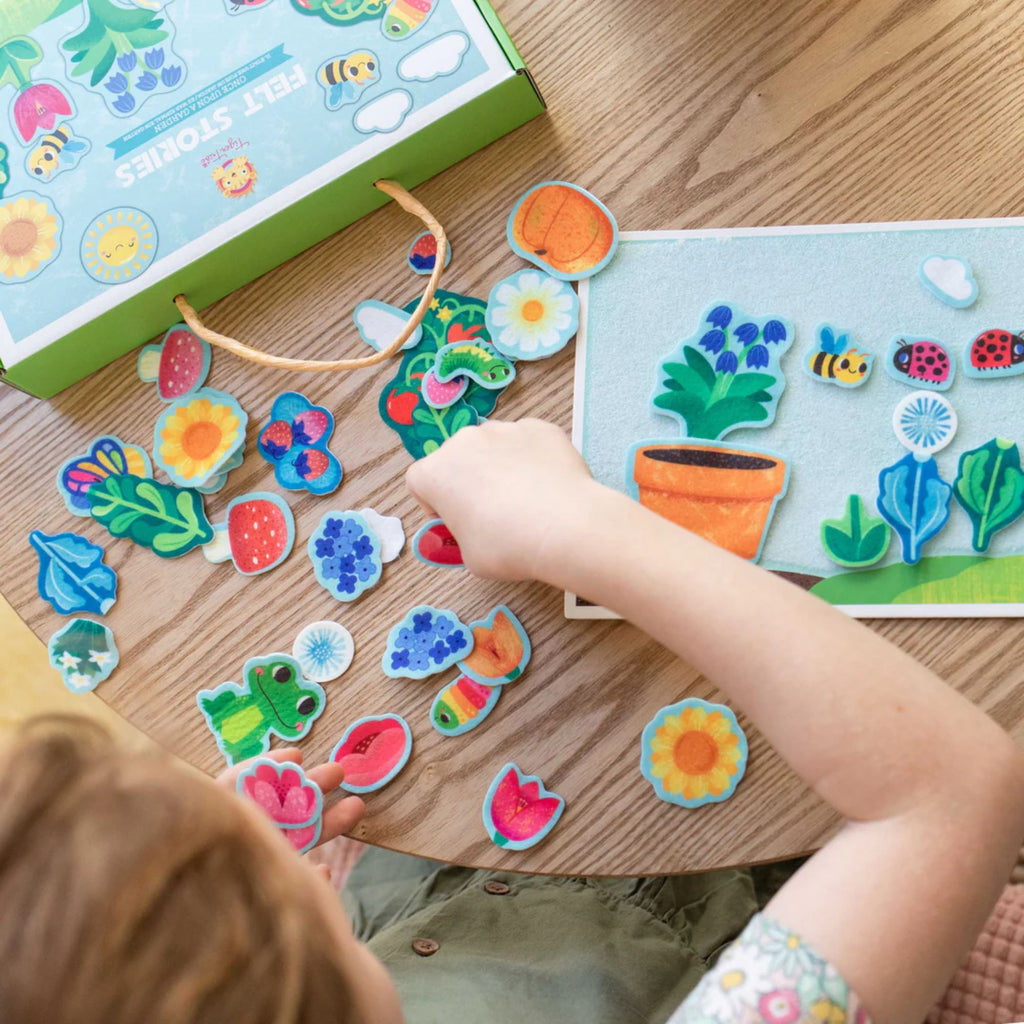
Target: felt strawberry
<point>400,405</point>
<point>257,536</point>
<point>276,439</point>
<point>312,463</point>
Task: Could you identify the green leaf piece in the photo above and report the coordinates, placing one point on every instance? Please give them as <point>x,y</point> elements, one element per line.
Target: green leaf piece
<point>989,486</point>
<point>856,540</point>
<point>169,520</point>
<point>111,30</point>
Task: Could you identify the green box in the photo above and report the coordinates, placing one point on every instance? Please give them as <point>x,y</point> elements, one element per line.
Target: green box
<point>152,158</point>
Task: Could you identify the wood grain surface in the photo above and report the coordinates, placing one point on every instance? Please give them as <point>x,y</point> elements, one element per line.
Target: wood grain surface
<point>676,114</point>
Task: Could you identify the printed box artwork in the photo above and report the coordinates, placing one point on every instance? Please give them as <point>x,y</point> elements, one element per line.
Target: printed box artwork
<point>144,135</point>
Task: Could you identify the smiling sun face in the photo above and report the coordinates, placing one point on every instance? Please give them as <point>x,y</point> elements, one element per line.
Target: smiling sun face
<point>118,245</point>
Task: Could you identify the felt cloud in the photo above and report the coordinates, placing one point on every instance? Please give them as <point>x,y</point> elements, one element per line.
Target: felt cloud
<point>949,279</point>
<point>383,114</point>
<point>441,56</point>
<point>379,324</point>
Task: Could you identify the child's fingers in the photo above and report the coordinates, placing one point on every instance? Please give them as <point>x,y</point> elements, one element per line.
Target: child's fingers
<point>229,777</point>
<point>342,818</point>
<point>327,776</point>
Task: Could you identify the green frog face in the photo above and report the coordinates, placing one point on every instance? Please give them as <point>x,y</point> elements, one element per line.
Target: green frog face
<point>289,703</point>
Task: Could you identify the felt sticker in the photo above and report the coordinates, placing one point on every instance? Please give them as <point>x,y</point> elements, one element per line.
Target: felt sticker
<point>84,653</point>
<point>693,753</point>
<point>43,223</point>
<point>324,650</point>
<point>563,229</point>
<point>273,698</point>
<point>989,486</point>
<point>404,17</point>
<point>72,574</point>
<point>442,395</point>
<point>218,482</point>
<point>532,315</point>
<point>518,810</point>
<point>257,534</point>
<point>379,324</point>
<point>441,56</point>
<point>914,500</point>
<point>383,114</point>
<point>920,363</point>
<point>468,356</point>
<point>949,279</point>
<point>426,641</point>
<point>924,422</point>
<point>106,456</point>
<point>197,434</point>
<point>727,375</point>
<point>389,532</point>
<point>342,12</point>
<point>295,444</point>
<point>38,106</point>
<point>179,365</point>
<point>118,245</point>
<point>995,353</point>
<point>56,152</point>
<point>292,801</point>
<point>372,752</point>
<point>345,553</point>
<point>501,649</point>
<point>345,79</point>
<point>462,705</point>
<point>423,254</point>
<point>434,544</point>
<point>836,360</point>
<point>857,539</point>
<point>166,519</point>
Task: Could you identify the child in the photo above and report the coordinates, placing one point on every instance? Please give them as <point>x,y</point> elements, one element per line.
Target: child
<point>135,892</point>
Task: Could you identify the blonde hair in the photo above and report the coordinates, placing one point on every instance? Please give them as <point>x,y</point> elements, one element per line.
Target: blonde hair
<point>133,891</point>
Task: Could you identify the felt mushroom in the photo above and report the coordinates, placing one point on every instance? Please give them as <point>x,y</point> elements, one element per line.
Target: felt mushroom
<point>179,364</point>
<point>257,535</point>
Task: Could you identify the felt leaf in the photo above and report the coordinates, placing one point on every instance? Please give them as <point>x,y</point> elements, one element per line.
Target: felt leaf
<point>857,539</point>
<point>72,575</point>
<point>696,361</point>
<point>167,519</point>
<point>746,385</point>
<point>683,377</point>
<point>914,500</point>
<point>989,486</point>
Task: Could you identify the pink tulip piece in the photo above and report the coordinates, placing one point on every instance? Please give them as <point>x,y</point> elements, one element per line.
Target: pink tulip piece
<point>518,811</point>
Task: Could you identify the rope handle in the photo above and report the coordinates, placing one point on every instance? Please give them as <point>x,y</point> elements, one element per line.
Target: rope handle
<point>255,355</point>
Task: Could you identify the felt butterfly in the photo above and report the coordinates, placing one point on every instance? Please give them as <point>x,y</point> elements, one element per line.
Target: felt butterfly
<point>107,456</point>
<point>295,444</point>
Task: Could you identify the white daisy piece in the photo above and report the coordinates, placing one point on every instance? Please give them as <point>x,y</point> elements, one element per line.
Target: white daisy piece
<point>78,682</point>
<point>101,659</point>
<point>68,660</point>
<point>532,315</point>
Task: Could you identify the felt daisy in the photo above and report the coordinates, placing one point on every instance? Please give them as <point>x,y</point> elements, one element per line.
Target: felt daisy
<point>693,753</point>
<point>78,682</point>
<point>195,437</point>
<point>29,236</point>
<point>532,315</point>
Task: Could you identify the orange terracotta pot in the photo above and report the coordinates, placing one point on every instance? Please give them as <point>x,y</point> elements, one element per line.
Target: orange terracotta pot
<point>722,494</point>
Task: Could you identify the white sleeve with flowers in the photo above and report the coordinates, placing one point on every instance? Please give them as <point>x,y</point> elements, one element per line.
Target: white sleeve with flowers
<point>769,975</point>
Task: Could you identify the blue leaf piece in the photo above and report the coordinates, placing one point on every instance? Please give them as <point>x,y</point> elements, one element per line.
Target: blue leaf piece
<point>914,500</point>
<point>72,575</point>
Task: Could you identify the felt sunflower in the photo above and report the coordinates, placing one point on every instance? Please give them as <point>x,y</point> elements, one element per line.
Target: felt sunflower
<point>29,233</point>
<point>531,315</point>
<point>694,753</point>
<point>196,437</point>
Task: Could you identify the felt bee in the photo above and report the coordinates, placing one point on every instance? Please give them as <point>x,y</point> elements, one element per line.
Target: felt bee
<point>996,350</point>
<point>461,703</point>
<point>923,360</point>
<point>344,77</point>
<point>838,362</point>
<point>468,356</point>
<point>44,160</point>
<point>403,17</point>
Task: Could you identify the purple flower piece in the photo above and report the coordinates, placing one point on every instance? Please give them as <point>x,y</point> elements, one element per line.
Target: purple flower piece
<point>332,528</point>
<point>147,81</point>
<point>343,546</point>
<point>727,363</point>
<point>171,75</point>
<point>757,357</point>
<point>720,316</point>
<point>443,626</point>
<point>365,569</point>
<point>713,341</point>
<point>418,661</point>
<point>124,104</point>
<point>346,584</point>
<point>747,332</point>
<point>405,637</point>
<point>348,563</point>
<point>399,659</point>
<point>439,652</point>
<point>155,58</point>
<point>774,331</point>
<point>351,530</point>
<point>421,641</point>
<point>324,547</point>
<point>127,60</point>
<point>457,641</point>
<point>330,568</point>
<point>116,83</point>
<point>363,548</point>
<point>422,622</point>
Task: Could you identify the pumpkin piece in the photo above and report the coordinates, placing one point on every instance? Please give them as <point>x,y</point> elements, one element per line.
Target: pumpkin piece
<point>501,649</point>
<point>564,230</point>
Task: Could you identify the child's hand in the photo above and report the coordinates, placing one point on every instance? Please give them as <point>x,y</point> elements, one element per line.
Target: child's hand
<point>509,492</point>
<point>338,819</point>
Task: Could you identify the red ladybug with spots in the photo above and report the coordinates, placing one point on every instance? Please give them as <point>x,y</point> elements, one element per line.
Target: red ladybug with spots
<point>996,350</point>
<point>922,360</point>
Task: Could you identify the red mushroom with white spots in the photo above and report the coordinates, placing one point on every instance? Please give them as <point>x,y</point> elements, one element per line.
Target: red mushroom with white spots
<point>179,364</point>
<point>258,534</point>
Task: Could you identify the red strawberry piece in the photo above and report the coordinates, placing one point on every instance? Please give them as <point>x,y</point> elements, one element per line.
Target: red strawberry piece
<point>308,427</point>
<point>182,364</point>
<point>276,439</point>
<point>312,463</point>
<point>400,405</point>
<point>437,545</point>
<point>261,531</point>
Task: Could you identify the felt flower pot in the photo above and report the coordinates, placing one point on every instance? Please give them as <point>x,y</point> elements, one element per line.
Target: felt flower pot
<point>725,495</point>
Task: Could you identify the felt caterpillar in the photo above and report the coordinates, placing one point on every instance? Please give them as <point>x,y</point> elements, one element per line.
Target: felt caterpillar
<point>460,703</point>
<point>473,359</point>
<point>403,17</point>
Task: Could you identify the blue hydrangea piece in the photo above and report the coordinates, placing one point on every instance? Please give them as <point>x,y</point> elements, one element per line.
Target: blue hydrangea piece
<point>426,641</point>
<point>345,553</point>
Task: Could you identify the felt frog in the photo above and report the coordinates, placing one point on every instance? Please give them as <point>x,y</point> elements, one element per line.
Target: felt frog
<point>274,698</point>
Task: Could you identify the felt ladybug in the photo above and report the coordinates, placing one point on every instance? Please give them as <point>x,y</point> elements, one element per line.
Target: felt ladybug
<point>925,361</point>
<point>996,350</point>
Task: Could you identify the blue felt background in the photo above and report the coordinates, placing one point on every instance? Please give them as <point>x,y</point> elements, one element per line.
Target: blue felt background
<point>655,289</point>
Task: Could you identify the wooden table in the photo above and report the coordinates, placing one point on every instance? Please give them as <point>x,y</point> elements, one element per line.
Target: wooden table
<point>677,115</point>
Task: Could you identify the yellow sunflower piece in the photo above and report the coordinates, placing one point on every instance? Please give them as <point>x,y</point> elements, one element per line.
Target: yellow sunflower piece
<point>29,236</point>
<point>197,435</point>
<point>693,753</point>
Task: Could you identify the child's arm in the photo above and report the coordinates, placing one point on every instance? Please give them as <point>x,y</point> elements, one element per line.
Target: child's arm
<point>932,789</point>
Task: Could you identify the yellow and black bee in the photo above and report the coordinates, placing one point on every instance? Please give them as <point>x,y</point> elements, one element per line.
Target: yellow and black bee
<point>345,77</point>
<point>44,161</point>
<point>838,362</point>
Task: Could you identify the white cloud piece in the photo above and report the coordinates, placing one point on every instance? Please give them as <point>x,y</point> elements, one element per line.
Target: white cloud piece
<point>383,114</point>
<point>378,324</point>
<point>949,279</point>
<point>441,56</point>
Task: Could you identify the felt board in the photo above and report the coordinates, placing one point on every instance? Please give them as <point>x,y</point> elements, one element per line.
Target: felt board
<point>859,278</point>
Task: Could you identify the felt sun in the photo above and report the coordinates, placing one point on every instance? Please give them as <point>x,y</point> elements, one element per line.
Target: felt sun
<point>196,437</point>
<point>532,315</point>
<point>118,245</point>
<point>29,237</point>
<point>694,753</point>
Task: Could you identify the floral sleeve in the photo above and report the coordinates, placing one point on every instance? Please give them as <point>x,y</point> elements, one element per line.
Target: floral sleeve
<point>769,975</point>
